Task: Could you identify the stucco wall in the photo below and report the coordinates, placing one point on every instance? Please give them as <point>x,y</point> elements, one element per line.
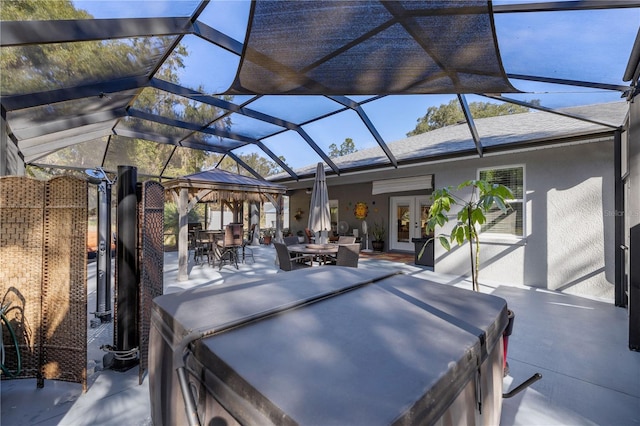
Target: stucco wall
<point>633,201</point>
<point>632,226</point>
<point>569,241</point>
<point>569,238</point>
<point>347,196</point>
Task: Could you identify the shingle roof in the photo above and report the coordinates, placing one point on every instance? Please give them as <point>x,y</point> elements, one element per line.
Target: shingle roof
<point>501,131</point>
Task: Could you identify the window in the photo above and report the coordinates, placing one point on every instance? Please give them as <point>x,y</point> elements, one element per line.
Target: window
<point>510,223</point>
<point>268,216</point>
<point>333,210</point>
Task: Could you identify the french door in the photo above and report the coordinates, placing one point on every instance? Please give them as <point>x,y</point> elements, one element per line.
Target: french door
<point>408,219</point>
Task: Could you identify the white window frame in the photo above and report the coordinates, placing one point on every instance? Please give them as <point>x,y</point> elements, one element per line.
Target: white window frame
<point>335,204</point>
<point>498,237</point>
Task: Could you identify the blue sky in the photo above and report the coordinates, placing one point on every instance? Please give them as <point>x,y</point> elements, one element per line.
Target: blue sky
<point>580,45</point>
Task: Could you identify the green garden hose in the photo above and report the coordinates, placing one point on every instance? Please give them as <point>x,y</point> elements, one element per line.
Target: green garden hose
<point>5,370</point>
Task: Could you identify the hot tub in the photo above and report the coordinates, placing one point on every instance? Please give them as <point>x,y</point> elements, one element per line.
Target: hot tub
<point>327,346</point>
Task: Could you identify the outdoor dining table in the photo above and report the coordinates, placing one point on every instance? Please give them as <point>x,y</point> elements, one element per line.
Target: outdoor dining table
<point>320,251</point>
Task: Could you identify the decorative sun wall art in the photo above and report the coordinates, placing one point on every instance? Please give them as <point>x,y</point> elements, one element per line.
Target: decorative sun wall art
<point>361,210</point>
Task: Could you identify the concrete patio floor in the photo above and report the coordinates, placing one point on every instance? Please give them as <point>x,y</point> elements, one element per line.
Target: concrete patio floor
<point>579,346</point>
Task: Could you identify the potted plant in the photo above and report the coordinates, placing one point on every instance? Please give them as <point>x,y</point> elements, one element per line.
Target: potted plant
<point>378,232</point>
<point>300,235</point>
<point>267,235</point>
<point>484,197</point>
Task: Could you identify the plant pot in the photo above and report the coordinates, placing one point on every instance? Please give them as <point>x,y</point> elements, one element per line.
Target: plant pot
<point>505,339</point>
<point>266,240</point>
<point>301,239</point>
<point>377,245</point>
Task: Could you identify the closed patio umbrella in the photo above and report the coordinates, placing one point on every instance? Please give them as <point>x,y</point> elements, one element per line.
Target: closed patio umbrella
<point>319,215</point>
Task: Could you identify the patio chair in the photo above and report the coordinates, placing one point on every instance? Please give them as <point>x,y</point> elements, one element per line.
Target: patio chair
<point>344,239</point>
<point>311,238</point>
<point>197,247</point>
<point>193,239</point>
<point>288,263</point>
<point>232,242</point>
<point>348,255</point>
<point>205,242</point>
<point>247,251</point>
<point>288,241</point>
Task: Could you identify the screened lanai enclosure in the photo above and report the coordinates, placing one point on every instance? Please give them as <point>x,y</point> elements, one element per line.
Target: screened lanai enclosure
<point>266,88</point>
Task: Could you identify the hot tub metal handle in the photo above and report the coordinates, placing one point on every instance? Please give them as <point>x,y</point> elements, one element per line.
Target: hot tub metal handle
<point>531,380</point>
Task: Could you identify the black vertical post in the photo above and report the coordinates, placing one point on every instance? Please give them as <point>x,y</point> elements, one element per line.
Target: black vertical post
<point>4,141</point>
<point>127,269</point>
<point>633,222</point>
<point>634,289</point>
<point>103,308</point>
<point>619,242</point>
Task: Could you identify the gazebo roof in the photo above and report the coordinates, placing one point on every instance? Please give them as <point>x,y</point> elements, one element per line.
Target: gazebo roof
<point>217,184</point>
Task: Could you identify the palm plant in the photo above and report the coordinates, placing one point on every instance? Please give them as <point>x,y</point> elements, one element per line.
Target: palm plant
<point>378,231</point>
<point>484,196</point>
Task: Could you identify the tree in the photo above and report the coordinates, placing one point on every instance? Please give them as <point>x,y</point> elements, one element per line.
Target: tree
<point>346,147</point>
<point>451,113</point>
<point>35,68</point>
<point>43,67</point>
<point>260,164</point>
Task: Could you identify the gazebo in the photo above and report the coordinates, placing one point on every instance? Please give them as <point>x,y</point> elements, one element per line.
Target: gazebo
<point>228,188</point>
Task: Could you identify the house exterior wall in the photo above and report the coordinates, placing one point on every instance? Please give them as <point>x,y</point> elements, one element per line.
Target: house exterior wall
<point>347,195</point>
<point>569,238</point>
<point>569,216</point>
<point>632,225</point>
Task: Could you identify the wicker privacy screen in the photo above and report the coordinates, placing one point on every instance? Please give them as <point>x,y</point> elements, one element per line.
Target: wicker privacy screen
<point>43,278</point>
<point>368,47</point>
<point>151,261</point>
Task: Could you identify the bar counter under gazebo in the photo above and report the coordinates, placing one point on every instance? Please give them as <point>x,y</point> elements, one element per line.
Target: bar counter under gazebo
<point>226,187</point>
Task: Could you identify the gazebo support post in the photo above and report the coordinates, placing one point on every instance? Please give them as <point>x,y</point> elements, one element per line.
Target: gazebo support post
<point>254,219</point>
<point>279,218</point>
<point>237,212</point>
<point>277,201</point>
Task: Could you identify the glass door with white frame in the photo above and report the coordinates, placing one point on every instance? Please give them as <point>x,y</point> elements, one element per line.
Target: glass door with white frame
<point>408,220</point>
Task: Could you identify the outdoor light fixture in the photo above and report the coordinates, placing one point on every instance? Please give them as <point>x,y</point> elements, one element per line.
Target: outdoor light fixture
<point>97,175</point>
